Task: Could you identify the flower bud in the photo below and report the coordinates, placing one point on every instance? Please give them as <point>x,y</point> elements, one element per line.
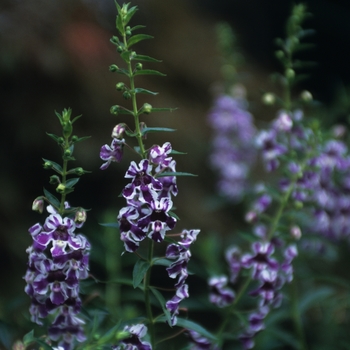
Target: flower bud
<point>113,68</point>
<point>67,152</point>
<point>295,232</point>
<point>54,179</point>
<point>127,95</point>
<point>120,86</point>
<point>279,54</point>
<point>138,66</point>
<point>60,140</point>
<point>114,109</point>
<point>18,345</point>
<point>142,127</point>
<point>290,73</point>
<point>119,49</point>
<point>79,171</point>
<point>128,31</point>
<point>38,204</point>
<point>269,99</point>
<point>47,165</point>
<point>146,108</point>
<point>60,188</point>
<point>75,138</point>
<point>306,96</point>
<point>298,205</point>
<point>80,216</point>
<point>251,217</point>
<point>118,131</point>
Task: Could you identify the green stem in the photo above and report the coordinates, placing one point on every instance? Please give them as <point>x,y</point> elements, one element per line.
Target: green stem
<point>64,177</point>
<point>231,308</point>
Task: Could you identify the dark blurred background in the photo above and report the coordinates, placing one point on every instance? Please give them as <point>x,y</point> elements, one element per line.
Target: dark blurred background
<point>55,54</point>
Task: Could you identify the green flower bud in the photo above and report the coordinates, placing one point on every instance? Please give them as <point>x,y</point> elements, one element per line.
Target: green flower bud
<point>126,95</point>
<point>79,171</point>
<point>138,66</point>
<point>67,152</point>
<point>38,204</point>
<point>60,140</point>
<point>114,109</point>
<point>290,73</point>
<point>120,86</point>
<point>298,205</point>
<point>48,165</point>
<point>115,39</point>
<point>269,99</point>
<point>128,31</point>
<point>306,96</point>
<point>279,54</point>
<point>75,138</point>
<point>54,179</point>
<point>113,68</point>
<point>119,49</point>
<point>146,108</point>
<point>60,188</point>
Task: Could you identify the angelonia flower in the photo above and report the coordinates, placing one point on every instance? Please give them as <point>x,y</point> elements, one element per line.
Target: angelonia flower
<point>220,295</point>
<point>148,198</point>
<point>134,340</point>
<point>58,260</point>
<point>181,255</point>
<point>233,153</point>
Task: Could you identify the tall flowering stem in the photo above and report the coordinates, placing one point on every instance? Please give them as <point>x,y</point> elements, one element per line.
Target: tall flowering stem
<point>59,257</point>
<point>148,210</point>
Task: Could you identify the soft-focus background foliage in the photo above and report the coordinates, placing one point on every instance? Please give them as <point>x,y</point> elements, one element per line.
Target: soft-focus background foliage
<point>55,54</point>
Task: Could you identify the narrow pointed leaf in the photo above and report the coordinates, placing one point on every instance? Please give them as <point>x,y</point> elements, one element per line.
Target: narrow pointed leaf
<point>76,118</point>
<point>110,224</point>
<point>52,199</point>
<point>148,130</point>
<point>144,91</point>
<point>170,173</point>
<point>136,38</point>
<point>55,166</point>
<point>149,72</point>
<point>145,58</point>
<point>119,23</point>
<point>126,57</point>
<point>163,109</point>
<point>71,182</point>
<point>162,303</point>
<point>53,136</point>
<point>82,139</point>
<point>29,337</point>
<point>137,27</point>
<point>129,15</point>
<point>176,152</point>
<point>139,271</point>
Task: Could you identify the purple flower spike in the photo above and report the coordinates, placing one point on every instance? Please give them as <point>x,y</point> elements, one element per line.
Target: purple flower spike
<point>219,295</point>
<point>112,153</point>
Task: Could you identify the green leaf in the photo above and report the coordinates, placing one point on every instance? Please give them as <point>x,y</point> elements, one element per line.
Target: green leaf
<point>82,139</point>
<point>71,182</point>
<point>170,173</point>
<point>55,166</point>
<point>53,136</point>
<point>110,224</point>
<point>120,110</point>
<point>173,215</point>
<point>52,199</point>
<point>28,338</point>
<point>145,58</point>
<point>148,72</point>
<point>181,322</point>
<point>136,38</point>
<point>144,91</point>
<point>139,271</point>
<point>137,27</point>
<point>119,22</point>
<point>162,302</point>
<point>161,262</point>
<point>126,57</point>
<point>76,118</point>
<point>109,335</point>
<point>315,296</point>
<point>130,14</point>
<point>163,109</point>
<point>176,152</point>
<point>147,130</point>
